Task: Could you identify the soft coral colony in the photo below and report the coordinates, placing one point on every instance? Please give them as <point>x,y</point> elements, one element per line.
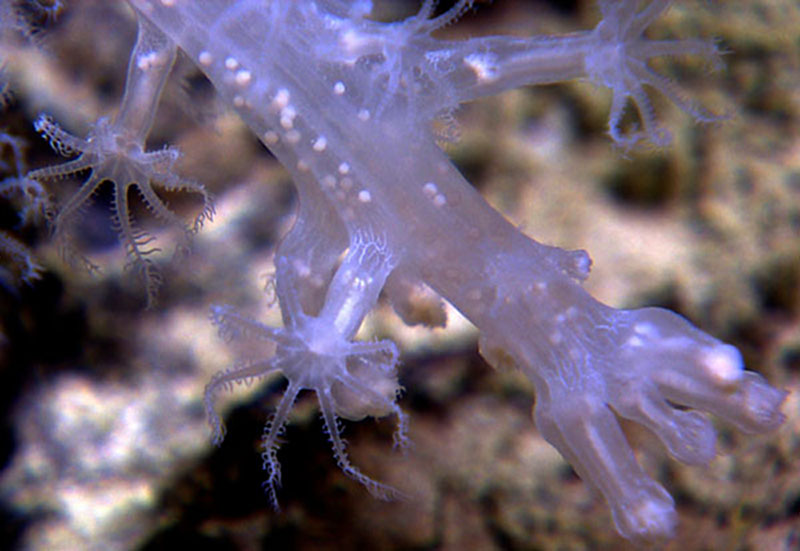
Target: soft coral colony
<point>346,104</point>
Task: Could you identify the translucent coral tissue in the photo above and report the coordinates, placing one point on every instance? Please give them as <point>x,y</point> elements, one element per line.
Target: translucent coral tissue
<point>346,103</point>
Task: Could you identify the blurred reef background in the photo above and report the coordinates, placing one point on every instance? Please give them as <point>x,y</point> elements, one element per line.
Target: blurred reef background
<point>104,443</point>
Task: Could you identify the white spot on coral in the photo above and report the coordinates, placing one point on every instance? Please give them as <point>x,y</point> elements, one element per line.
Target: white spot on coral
<point>364,196</point>
<point>281,99</point>
<point>243,77</point>
<point>168,3</point>
<point>430,190</point>
<point>320,144</point>
<point>339,88</point>
<point>270,137</point>
<point>288,114</point>
<point>205,58</point>
<point>724,364</point>
<point>329,181</point>
<point>482,65</point>
<point>363,115</point>
<point>645,329</point>
<point>634,342</point>
<point>145,61</point>
<point>344,168</point>
<point>231,63</point>
<point>353,40</point>
<point>239,101</point>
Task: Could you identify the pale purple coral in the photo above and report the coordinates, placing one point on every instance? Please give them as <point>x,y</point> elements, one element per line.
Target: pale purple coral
<point>114,151</point>
<point>345,103</point>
